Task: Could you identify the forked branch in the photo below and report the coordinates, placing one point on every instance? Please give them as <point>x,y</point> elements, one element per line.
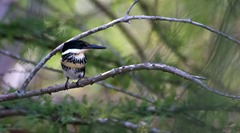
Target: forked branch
<point>126,18</point>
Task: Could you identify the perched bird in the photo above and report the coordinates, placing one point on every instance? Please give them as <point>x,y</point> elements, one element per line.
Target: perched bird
<point>73,60</point>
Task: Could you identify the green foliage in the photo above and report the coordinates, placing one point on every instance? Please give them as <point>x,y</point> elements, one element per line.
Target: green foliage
<point>55,117</point>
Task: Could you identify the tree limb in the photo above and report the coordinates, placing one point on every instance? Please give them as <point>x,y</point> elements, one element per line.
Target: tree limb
<point>112,73</point>
<point>126,32</point>
<point>110,24</point>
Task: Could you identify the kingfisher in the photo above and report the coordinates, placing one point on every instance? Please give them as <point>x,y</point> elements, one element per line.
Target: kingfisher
<point>73,60</point>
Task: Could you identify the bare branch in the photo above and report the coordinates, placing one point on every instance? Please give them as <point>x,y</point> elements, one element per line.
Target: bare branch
<point>114,72</point>
<point>11,112</point>
<point>132,40</point>
<point>130,8</point>
<point>128,124</point>
<point>37,68</point>
<point>110,24</point>
<point>124,91</point>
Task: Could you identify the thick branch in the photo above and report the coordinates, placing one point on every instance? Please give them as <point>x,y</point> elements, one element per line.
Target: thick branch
<point>110,24</point>
<point>112,73</point>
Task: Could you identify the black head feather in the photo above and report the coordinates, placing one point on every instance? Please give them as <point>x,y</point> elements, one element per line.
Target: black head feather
<point>79,44</point>
<point>74,44</point>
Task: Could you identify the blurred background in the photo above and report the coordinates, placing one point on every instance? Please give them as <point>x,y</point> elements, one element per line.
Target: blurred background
<point>29,29</point>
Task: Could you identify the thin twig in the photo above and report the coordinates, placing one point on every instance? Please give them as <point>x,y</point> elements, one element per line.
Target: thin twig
<point>7,53</point>
<point>130,8</point>
<point>124,91</point>
<point>11,112</point>
<point>126,32</point>
<point>128,124</point>
<point>110,24</point>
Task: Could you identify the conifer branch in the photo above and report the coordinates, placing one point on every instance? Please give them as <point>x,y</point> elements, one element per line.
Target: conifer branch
<point>4,113</point>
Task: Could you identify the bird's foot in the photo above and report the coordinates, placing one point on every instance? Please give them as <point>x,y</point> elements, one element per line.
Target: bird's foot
<point>66,84</point>
<point>79,83</point>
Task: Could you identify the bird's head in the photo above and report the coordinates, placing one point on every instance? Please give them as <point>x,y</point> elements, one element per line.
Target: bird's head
<point>78,47</point>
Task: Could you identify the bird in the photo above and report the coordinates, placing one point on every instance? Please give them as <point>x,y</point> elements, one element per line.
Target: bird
<point>73,59</point>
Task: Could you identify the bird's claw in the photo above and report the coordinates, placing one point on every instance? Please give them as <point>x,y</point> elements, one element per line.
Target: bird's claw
<point>79,83</point>
<point>66,84</point>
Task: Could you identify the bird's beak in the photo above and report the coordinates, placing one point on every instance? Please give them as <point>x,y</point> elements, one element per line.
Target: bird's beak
<point>93,46</point>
